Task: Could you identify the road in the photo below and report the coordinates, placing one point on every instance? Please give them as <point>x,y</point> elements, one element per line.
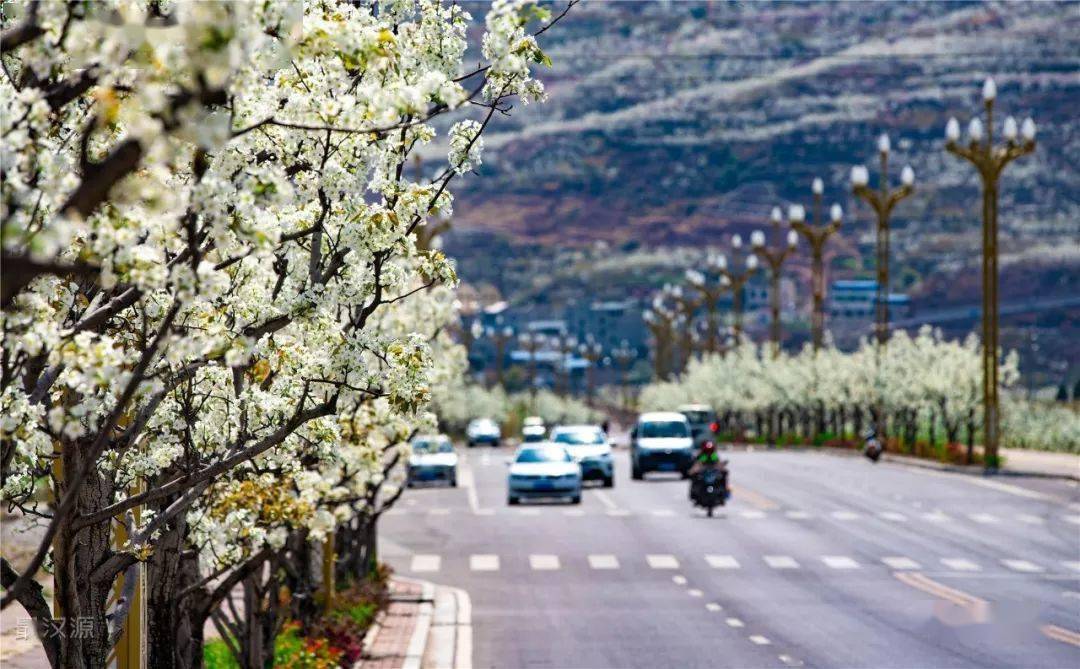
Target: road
<point>818,561</point>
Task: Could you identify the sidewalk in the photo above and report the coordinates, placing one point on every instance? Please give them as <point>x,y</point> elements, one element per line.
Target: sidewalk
<point>1018,462</point>
<point>424,627</point>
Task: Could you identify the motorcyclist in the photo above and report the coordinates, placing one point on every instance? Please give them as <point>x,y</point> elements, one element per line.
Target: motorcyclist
<point>707,458</point>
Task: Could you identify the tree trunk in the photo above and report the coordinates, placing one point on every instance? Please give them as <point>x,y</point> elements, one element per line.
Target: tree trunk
<point>174,622</point>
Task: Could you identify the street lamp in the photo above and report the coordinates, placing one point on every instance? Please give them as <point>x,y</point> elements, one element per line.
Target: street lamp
<point>592,351</point>
<point>567,346</point>
<point>774,259</point>
<point>882,201</point>
<point>735,282</point>
<point>710,291</point>
<point>501,338</point>
<point>990,161</point>
<point>685,306</point>
<point>661,324</point>
<point>624,356</point>
<point>816,235</point>
<point>531,342</point>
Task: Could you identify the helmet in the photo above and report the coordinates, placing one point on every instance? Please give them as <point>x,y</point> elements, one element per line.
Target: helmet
<point>708,447</point>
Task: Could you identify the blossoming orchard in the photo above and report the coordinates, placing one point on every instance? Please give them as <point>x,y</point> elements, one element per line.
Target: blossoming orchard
<point>219,333</point>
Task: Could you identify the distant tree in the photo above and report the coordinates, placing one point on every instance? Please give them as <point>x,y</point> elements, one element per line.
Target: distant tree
<point>1062,393</point>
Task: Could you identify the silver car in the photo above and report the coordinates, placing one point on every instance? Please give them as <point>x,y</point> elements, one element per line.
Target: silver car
<point>589,446</point>
<point>543,470</point>
<point>433,459</point>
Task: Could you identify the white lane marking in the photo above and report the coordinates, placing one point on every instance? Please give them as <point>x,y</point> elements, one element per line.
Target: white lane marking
<point>618,512</point>
<point>485,460</point>
<point>781,562</point>
<point>960,564</point>
<point>713,606</point>
<point>1023,565</point>
<point>528,512</point>
<point>544,562</point>
<point>426,563</point>
<point>1075,520</point>
<point>662,561</point>
<point>484,562</point>
<point>573,512</point>
<point>606,500</point>
<point>467,480</point>
<point>893,516</point>
<point>694,593</point>
<point>1071,594</point>
<point>900,563</point>
<point>845,515</point>
<point>752,514</point>
<point>438,512</point>
<point>1069,564</point>
<point>984,518</point>
<point>678,579</point>
<point>790,661</point>
<point>937,517</point>
<point>759,640</point>
<point>722,561</point>
<point>986,483</point>
<point>603,562</point>
<point>663,512</point>
<point>734,622</point>
<point>839,562</point>
<point>797,515</point>
<point>1030,519</point>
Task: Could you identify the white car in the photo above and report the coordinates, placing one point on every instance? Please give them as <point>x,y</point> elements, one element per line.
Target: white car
<point>543,470</point>
<point>589,446</point>
<point>483,431</point>
<point>433,459</point>
<point>661,441</point>
<point>531,434</point>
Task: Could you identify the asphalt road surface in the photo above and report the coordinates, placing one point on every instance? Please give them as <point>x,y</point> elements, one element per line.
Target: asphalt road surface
<point>818,561</point>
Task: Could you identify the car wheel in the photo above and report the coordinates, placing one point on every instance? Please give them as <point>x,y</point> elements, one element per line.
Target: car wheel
<point>512,501</point>
<point>636,473</point>
<point>495,444</point>
<point>609,481</point>
<point>576,499</point>
<point>685,474</point>
<point>471,444</point>
<point>453,481</point>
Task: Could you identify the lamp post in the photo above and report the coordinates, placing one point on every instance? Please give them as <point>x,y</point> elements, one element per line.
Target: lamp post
<point>661,324</point>
<point>685,306</point>
<point>774,259</point>
<point>531,342</point>
<point>710,291</point>
<point>816,235</point>
<point>567,346</point>
<point>624,356</point>
<point>501,338</point>
<point>990,161</point>
<point>592,351</point>
<point>735,282</point>
<point>882,201</point>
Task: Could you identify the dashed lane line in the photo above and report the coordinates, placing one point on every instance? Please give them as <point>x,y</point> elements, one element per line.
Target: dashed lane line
<point>845,515</point>
<point>662,561</point>
<point>426,563</point>
<point>900,563</point>
<point>984,518</point>
<point>713,606</point>
<point>606,500</point>
<point>759,640</point>
<point>603,562</point>
<point>960,564</point>
<point>1061,634</point>
<point>893,516</point>
<point>977,608</point>
<point>753,498</point>
<point>781,562</point>
<point>839,562</point>
<point>544,562</point>
<point>484,562</point>
<point>734,622</point>
<point>722,561</point>
<point>1023,565</point>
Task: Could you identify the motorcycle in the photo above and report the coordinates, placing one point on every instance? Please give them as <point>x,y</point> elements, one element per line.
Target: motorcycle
<point>709,489</point>
<point>872,449</point>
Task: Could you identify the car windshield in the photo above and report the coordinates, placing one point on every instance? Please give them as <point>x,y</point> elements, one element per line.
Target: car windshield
<point>483,424</point>
<point>663,429</point>
<point>579,437</point>
<point>543,455</point>
<point>533,437</point>
<point>697,416</point>
<point>432,446</point>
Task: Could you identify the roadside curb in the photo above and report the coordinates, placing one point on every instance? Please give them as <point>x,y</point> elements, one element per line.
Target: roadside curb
<point>442,634</point>
<point>968,470</point>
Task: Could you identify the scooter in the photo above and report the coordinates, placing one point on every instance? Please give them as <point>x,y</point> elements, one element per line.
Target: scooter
<point>709,489</point>
<point>872,449</point>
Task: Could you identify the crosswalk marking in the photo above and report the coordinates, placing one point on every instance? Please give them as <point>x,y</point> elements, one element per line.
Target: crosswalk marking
<point>712,606</point>
<point>484,562</point>
<point>937,517</point>
<point>1022,565</point>
<point>960,564</point>
<point>984,518</point>
<point>603,562</point>
<point>722,561</point>
<point>544,562</point>
<point>1030,519</point>
<point>426,563</point>
<point>839,562</point>
<point>900,563</point>
<point>893,516</point>
<point>662,561</point>
<point>752,514</point>
<point>759,640</point>
<point>694,593</point>
<point>734,622</point>
<point>678,579</point>
<point>797,515</point>
<point>781,562</point>
<point>845,515</point>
